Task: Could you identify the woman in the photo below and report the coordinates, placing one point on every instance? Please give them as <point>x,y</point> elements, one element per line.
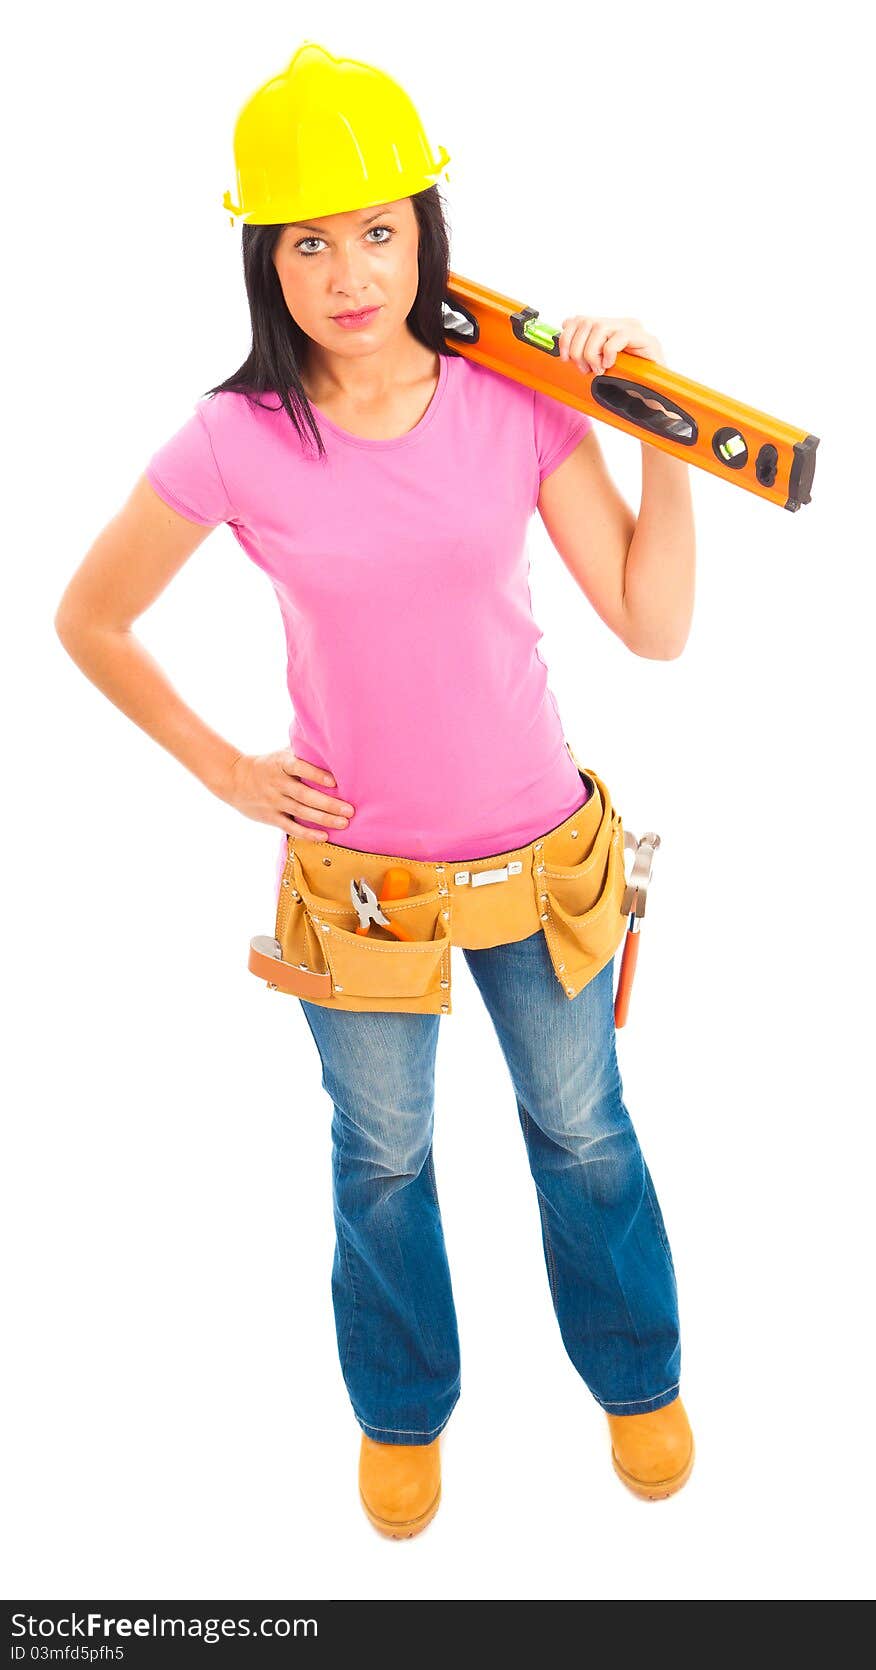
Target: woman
<point>384,482</point>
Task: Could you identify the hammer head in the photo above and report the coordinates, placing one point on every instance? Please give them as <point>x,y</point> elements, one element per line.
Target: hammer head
<point>636,891</point>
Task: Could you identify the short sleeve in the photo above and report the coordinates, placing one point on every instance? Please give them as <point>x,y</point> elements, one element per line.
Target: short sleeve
<point>557,429</point>
<point>185,474</point>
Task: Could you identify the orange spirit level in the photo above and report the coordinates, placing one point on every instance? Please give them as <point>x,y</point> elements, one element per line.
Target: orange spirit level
<point>659,406</point>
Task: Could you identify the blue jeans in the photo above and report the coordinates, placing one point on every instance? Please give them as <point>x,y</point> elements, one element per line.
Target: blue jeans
<point>608,1261</point>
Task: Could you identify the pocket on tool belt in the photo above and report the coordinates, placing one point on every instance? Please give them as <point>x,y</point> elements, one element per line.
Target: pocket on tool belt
<point>293,929</point>
<point>377,964</point>
<point>581,905</point>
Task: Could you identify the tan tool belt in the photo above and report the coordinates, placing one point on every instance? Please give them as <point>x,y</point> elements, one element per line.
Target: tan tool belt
<point>570,882</point>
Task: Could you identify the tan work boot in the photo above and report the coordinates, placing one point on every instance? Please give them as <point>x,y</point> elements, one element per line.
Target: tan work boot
<point>400,1485</point>
<point>653,1453</point>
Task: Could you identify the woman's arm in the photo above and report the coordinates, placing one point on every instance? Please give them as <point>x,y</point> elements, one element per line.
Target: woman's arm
<point>638,572</point>
<point>660,568</point>
<point>126,569</point>
<point>128,566</point>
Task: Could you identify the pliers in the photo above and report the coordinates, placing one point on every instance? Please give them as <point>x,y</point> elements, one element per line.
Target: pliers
<point>368,908</point>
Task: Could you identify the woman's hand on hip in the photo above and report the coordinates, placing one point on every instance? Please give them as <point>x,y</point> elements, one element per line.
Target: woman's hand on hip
<point>266,787</point>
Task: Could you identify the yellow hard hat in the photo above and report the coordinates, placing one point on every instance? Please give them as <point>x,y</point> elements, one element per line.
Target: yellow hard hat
<point>328,135</point>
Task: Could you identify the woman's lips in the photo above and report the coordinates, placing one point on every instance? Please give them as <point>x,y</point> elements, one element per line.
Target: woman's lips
<point>349,321</point>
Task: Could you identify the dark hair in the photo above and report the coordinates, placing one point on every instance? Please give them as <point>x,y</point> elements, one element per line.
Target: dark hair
<point>279,343</point>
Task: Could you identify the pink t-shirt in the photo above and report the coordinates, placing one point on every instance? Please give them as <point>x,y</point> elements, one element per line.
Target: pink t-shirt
<point>402,574</point>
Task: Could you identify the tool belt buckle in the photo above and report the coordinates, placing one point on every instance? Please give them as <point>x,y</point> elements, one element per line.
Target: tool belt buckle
<point>483,878</point>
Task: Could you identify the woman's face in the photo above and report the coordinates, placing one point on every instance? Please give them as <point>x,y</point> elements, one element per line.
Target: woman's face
<point>345,262</point>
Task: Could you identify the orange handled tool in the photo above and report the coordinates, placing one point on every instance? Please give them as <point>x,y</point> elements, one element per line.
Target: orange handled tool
<point>633,905</point>
<point>661,407</point>
<point>396,885</point>
<point>625,979</point>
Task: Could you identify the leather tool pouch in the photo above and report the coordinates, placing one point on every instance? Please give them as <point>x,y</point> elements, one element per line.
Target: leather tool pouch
<point>568,882</point>
<point>375,965</point>
<point>581,903</point>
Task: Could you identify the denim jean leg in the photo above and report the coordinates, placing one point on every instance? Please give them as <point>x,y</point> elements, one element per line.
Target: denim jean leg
<point>608,1259</point>
<point>394,1312</point>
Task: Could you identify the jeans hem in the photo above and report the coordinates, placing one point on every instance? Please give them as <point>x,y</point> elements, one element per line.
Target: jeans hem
<point>641,1405</point>
<point>394,1435</point>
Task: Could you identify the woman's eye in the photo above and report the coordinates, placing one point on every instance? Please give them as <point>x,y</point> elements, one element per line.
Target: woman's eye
<point>307,252</point>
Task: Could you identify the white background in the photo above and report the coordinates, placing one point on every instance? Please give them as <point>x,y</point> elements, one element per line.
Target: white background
<point>175,1419</point>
